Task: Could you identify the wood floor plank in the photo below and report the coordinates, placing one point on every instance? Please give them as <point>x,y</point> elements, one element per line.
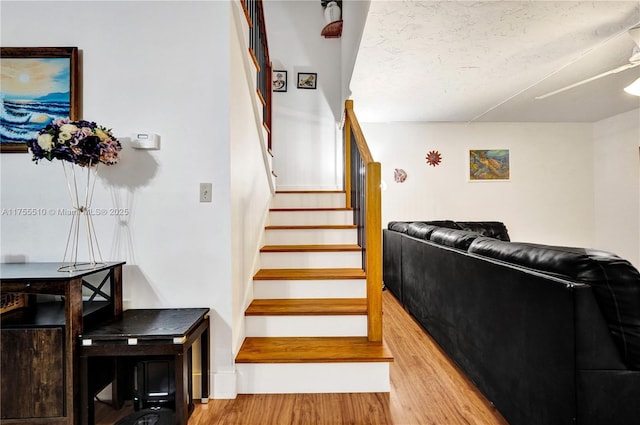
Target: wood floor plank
<point>426,389</point>
<point>311,248</point>
<point>308,307</point>
<point>309,274</point>
<point>312,350</point>
<point>426,377</point>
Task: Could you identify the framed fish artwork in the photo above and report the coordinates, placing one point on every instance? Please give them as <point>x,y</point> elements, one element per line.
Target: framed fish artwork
<point>489,165</point>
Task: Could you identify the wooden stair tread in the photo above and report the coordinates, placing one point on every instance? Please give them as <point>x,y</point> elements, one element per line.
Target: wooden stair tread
<point>310,209</point>
<point>311,248</point>
<point>314,227</point>
<point>308,307</point>
<point>310,191</point>
<point>309,274</point>
<point>312,350</point>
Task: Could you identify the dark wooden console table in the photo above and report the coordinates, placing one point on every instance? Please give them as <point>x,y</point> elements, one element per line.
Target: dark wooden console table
<point>40,363</point>
<point>145,334</point>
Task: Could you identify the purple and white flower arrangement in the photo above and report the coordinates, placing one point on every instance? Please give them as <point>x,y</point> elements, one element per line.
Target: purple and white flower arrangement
<point>79,142</point>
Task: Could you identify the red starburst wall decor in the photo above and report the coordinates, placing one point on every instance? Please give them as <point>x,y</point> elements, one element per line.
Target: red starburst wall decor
<point>434,158</point>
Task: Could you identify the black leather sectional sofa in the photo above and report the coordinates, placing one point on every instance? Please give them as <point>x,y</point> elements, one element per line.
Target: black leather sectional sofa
<point>550,335</point>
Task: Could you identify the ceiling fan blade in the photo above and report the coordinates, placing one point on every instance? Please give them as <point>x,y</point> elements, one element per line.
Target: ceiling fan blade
<point>588,80</point>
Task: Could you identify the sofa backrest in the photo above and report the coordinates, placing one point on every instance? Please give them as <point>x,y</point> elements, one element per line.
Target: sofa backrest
<point>421,230</point>
<point>449,224</point>
<point>399,226</point>
<point>454,238</point>
<point>615,282</point>
<point>492,229</point>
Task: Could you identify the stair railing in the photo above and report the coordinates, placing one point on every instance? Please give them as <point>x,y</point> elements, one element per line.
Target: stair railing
<point>362,187</point>
<point>259,51</point>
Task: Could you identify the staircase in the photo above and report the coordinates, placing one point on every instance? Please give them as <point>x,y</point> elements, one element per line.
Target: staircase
<point>307,325</point>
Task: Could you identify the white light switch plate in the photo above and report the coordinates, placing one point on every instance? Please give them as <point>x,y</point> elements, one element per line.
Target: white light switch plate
<point>205,192</point>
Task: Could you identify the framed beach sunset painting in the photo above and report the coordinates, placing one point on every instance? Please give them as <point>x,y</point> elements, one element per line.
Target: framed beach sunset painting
<point>37,85</point>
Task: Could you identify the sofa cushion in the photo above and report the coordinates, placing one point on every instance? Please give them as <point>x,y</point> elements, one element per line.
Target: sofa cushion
<point>403,226</point>
<point>399,226</point>
<point>492,229</point>
<point>615,283</point>
<point>420,230</point>
<point>455,238</point>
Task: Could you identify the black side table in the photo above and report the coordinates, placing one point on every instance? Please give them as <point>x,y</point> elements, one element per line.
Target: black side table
<point>148,333</point>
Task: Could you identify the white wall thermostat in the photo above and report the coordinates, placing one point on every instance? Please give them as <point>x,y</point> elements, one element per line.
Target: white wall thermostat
<point>145,141</point>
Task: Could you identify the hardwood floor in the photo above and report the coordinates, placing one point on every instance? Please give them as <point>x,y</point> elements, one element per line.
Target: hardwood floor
<point>426,389</point>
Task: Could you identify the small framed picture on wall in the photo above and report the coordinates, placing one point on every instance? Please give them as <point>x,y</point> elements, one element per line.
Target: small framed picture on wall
<point>489,165</point>
<point>307,80</point>
<point>279,81</point>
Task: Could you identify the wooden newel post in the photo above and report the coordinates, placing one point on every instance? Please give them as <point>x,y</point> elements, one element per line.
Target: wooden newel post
<point>374,252</point>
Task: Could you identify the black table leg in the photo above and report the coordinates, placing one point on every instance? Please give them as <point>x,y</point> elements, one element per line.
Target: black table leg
<point>86,396</point>
<point>204,357</point>
<point>182,406</point>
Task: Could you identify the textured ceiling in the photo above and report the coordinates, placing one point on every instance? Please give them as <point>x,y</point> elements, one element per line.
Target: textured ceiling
<point>488,60</point>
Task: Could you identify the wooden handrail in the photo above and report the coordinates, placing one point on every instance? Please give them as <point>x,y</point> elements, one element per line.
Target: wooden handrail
<point>357,132</point>
<point>347,157</point>
<point>259,53</point>
<point>365,194</point>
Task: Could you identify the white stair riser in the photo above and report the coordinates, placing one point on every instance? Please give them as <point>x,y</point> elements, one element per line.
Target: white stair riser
<point>287,378</point>
<point>311,260</point>
<point>274,326</point>
<point>284,289</point>
<point>309,200</point>
<point>312,218</point>
<point>311,236</point>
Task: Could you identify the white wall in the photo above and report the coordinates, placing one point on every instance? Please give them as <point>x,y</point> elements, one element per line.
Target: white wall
<point>616,164</point>
<point>357,12</point>
<point>571,184</point>
<point>306,147</point>
<point>251,192</point>
<point>158,74</point>
<point>549,198</point>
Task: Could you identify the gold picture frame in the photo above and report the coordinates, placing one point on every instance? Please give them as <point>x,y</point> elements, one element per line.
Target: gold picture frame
<point>38,85</point>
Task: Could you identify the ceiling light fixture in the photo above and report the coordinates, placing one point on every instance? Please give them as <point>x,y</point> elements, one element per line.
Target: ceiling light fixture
<point>634,61</point>
<point>633,88</point>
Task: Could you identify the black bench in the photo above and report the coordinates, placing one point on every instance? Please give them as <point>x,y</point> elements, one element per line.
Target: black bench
<point>146,333</point>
